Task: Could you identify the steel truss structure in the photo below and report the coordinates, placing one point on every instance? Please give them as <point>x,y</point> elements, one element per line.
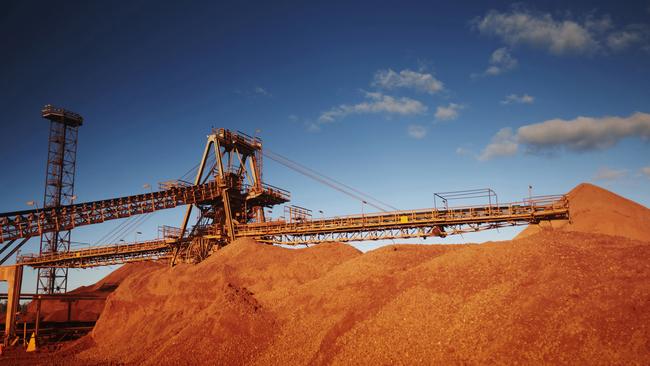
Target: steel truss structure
<point>231,198</point>
<point>25,224</point>
<point>102,255</point>
<point>408,224</point>
<point>59,190</point>
<point>237,171</point>
<point>392,225</point>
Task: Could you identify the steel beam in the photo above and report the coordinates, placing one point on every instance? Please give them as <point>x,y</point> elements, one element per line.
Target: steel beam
<point>22,242</point>
<point>374,226</point>
<point>28,223</point>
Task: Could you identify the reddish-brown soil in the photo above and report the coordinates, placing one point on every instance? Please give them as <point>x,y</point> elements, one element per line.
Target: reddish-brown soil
<point>599,211</point>
<point>555,297</point>
<point>84,310</point>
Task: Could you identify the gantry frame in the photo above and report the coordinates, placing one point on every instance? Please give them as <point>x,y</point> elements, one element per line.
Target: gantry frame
<point>29,223</point>
<point>231,199</point>
<point>237,171</point>
<point>377,226</point>
<point>59,191</point>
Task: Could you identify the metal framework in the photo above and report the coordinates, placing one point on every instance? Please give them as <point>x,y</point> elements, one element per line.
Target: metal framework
<point>28,223</point>
<point>237,171</point>
<point>59,190</point>
<point>407,224</point>
<point>391,225</point>
<point>483,194</point>
<point>231,198</point>
<point>102,255</point>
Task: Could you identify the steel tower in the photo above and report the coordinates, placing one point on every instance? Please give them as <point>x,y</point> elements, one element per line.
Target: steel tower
<point>59,191</point>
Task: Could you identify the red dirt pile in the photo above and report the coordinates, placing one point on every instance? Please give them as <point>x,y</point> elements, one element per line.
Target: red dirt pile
<point>85,310</point>
<point>557,297</point>
<point>596,210</point>
<point>216,310</point>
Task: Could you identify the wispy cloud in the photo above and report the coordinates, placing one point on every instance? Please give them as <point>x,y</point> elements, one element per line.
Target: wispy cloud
<point>646,170</point>
<point>376,103</point>
<point>313,126</point>
<point>448,112</point>
<point>504,143</point>
<point>500,61</point>
<point>632,35</point>
<point>561,35</point>
<point>605,173</point>
<point>518,99</point>
<point>261,91</point>
<point>417,131</point>
<point>462,151</point>
<point>584,133</point>
<point>256,91</point>
<point>423,82</point>
<point>579,134</point>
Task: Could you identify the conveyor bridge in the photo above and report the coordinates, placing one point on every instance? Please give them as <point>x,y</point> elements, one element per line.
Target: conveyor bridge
<point>375,226</point>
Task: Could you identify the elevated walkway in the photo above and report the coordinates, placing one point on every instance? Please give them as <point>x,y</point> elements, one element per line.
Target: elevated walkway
<point>101,255</point>
<point>374,226</point>
<point>408,224</point>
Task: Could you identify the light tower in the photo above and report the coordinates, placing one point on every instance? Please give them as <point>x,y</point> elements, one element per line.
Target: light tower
<point>59,190</point>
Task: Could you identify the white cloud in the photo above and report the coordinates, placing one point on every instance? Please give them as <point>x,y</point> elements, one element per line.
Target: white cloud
<point>584,133</point>
<point>448,112</point>
<point>312,126</point>
<point>579,134</point>
<point>417,131</point>
<point>293,118</point>
<point>423,82</point>
<point>518,99</point>
<point>561,35</point>
<point>504,143</point>
<point>462,151</point>
<point>253,92</point>
<point>634,34</point>
<point>606,173</point>
<point>558,36</point>
<point>261,91</point>
<point>646,171</point>
<point>377,103</point>
<point>500,61</point>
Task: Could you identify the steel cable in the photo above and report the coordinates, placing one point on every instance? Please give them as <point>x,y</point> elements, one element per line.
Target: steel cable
<point>330,182</point>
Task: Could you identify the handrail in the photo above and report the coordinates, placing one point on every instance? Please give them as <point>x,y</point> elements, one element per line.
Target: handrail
<point>423,222</point>
<point>23,224</point>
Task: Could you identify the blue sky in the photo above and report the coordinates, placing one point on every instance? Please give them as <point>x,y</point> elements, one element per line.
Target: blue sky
<point>398,99</point>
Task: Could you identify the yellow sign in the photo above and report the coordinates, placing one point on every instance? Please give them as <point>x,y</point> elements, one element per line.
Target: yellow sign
<point>403,219</point>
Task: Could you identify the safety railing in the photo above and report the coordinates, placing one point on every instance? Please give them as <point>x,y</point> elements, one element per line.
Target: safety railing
<point>23,224</point>
<point>95,252</point>
<point>531,210</point>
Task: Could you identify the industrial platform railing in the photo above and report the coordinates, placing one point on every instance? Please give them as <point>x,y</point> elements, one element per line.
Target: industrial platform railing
<point>28,223</point>
<point>101,255</point>
<point>371,226</point>
<point>429,221</point>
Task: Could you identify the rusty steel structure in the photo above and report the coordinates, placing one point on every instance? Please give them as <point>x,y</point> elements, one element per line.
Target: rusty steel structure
<point>59,191</point>
<point>375,226</point>
<point>120,253</point>
<point>242,194</point>
<point>421,223</point>
<point>231,198</point>
<point>28,223</point>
